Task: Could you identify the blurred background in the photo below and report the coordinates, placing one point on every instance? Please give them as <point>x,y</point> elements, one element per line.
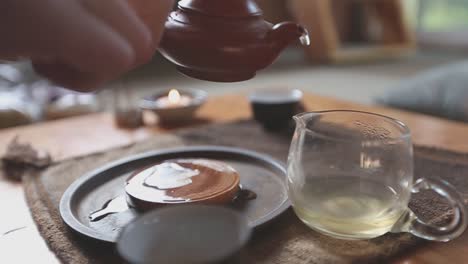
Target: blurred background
<point>409,54</point>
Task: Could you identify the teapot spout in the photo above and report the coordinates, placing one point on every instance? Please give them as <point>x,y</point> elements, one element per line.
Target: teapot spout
<point>283,34</point>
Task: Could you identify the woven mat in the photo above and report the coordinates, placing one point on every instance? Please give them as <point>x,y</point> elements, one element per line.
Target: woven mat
<point>286,240</point>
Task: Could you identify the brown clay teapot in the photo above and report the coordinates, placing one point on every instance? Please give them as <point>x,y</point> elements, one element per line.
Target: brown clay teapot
<point>224,40</point>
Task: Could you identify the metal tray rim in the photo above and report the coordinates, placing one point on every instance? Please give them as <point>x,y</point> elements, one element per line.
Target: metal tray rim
<point>65,206</point>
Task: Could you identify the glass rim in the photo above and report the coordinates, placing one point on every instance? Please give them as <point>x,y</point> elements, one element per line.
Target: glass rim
<point>405,133</point>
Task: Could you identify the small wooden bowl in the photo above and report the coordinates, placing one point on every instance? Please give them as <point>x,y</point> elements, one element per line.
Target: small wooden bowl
<point>216,183</point>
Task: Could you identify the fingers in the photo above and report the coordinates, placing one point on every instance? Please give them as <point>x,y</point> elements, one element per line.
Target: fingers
<point>84,42</point>
<point>88,51</point>
<point>97,63</point>
<point>62,30</point>
<point>118,15</point>
<point>65,76</point>
<point>89,45</point>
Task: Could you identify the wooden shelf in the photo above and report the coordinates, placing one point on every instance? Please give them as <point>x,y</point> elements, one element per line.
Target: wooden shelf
<point>373,29</point>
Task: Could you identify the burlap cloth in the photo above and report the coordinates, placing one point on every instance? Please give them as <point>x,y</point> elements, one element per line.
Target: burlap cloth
<point>285,240</point>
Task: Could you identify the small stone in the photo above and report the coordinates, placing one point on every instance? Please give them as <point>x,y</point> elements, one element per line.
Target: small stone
<point>21,157</point>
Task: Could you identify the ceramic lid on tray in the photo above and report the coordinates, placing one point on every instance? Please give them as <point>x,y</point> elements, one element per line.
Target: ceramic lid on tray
<point>183,181</point>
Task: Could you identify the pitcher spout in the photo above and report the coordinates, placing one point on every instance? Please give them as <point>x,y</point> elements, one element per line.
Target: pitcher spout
<point>301,119</point>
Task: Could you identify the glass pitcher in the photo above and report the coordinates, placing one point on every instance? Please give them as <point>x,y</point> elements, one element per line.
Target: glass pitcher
<point>350,176</point>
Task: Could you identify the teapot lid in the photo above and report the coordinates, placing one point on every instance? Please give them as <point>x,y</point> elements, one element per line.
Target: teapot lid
<point>229,8</point>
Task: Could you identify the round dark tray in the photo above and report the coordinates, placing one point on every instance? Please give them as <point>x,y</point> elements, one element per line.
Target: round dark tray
<point>259,173</point>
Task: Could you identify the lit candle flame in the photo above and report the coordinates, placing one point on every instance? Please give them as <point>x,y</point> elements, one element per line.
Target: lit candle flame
<point>174,96</point>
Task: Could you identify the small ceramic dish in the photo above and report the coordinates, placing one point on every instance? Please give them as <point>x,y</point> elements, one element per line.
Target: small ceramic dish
<point>176,113</point>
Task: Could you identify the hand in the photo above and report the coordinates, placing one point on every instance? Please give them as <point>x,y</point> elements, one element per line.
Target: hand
<point>80,44</point>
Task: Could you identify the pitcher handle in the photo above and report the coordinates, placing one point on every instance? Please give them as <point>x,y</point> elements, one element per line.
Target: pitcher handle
<point>412,224</point>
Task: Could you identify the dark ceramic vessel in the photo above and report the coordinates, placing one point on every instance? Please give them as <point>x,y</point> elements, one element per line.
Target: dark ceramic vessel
<point>274,109</point>
<point>186,234</point>
<point>224,41</point>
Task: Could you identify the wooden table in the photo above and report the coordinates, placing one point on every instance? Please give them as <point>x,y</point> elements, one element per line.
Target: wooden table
<point>84,135</point>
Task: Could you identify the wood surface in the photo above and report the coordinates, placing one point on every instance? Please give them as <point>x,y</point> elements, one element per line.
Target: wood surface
<point>85,135</point>
<point>315,15</point>
<point>337,35</point>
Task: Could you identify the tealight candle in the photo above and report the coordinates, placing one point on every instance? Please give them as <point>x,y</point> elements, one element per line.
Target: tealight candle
<point>174,106</point>
<point>173,100</point>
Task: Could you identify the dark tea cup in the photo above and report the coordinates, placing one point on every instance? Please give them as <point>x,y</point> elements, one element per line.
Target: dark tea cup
<point>274,109</point>
<point>186,234</point>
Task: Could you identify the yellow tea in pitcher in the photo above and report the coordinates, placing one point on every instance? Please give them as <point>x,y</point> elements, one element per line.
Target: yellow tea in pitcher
<point>345,207</point>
